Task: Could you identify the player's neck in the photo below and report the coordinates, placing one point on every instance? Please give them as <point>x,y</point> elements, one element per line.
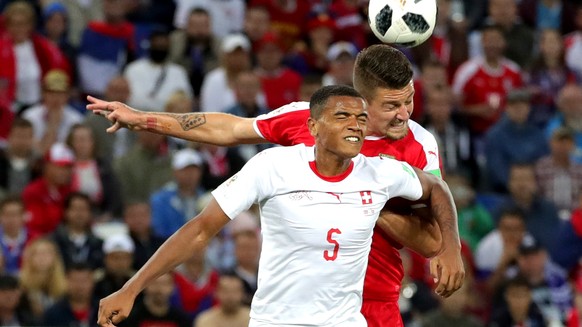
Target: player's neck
<point>328,164</point>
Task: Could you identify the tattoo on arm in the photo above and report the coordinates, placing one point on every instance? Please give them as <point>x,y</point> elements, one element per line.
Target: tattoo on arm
<point>190,121</point>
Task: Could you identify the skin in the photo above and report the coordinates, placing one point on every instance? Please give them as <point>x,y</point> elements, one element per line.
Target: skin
<point>389,111</point>
<point>338,138</point>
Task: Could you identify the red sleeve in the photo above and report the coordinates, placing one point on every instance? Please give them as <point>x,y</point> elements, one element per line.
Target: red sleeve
<point>286,125</point>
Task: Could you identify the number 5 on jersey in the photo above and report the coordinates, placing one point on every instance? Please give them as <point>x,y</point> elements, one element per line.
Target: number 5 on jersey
<point>326,254</point>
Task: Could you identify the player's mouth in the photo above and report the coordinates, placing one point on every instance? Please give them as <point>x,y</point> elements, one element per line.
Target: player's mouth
<point>353,139</point>
<point>397,124</point>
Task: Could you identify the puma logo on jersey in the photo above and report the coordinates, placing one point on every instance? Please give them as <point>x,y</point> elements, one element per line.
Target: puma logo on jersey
<point>337,195</point>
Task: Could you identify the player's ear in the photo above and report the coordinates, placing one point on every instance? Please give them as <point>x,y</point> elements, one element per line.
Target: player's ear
<point>312,125</point>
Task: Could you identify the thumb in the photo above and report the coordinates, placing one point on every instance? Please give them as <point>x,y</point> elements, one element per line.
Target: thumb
<point>434,269</point>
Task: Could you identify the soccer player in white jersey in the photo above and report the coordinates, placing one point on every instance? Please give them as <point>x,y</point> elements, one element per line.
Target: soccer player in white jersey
<point>383,75</point>
<point>319,206</point>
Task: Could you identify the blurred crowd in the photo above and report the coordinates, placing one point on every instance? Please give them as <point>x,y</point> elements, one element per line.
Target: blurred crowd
<point>498,84</point>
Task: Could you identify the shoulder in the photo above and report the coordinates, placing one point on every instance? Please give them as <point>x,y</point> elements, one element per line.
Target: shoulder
<point>421,135</point>
<point>511,66</point>
<point>33,112</point>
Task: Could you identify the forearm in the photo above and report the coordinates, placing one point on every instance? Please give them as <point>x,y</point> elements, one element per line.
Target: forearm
<point>213,128</point>
<point>412,231</point>
<point>193,236</point>
<point>445,213</point>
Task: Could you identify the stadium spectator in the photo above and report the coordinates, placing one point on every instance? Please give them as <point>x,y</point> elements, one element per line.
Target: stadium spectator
<point>77,307</point>
<point>195,48</point>
<point>257,23</point>
<point>196,283</point>
<point>230,310</point>
<point>153,79</point>
<point>568,250</point>
<point>310,84</point>
<point>106,47</point>
<point>94,176</point>
<point>431,78</point>
<point>569,115</point>
<point>56,29</point>
<point>44,197</point>
<point>134,168</point>
<point>79,15</point>
<point>416,297</point>
<point>14,236</point>
<point>216,93</point>
<point>118,250</point>
<point>518,307</point>
<point>18,160</point>
<point>280,84</point>
<point>220,163</point>
<point>155,308</point>
<point>176,203</point>
<point>74,238</point>
<point>560,179</point>
<point>14,308</point>
<point>247,249</point>
<point>351,22</point>
<point>26,58</point>
<point>513,139</point>
<point>558,15</point>
<point>341,56</point>
<point>519,37</point>
<point>53,118</point>
<point>452,311</point>
<point>227,16</point>
<point>137,218</point>
<point>42,276</point>
<point>546,76</point>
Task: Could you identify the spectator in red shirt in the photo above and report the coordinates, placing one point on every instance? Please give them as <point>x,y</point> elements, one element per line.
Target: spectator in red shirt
<point>44,197</point>
<point>280,84</point>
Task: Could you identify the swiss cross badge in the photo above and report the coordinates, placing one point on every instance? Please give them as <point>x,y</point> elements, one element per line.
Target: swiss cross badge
<point>366,197</point>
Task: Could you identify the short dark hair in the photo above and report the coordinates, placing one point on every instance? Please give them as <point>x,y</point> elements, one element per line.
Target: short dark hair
<point>199,10</point>
<point>79,266</point>
<point>492,27</point>
<point>514,282</point>
<point>9,199</point>
<point>319,99</point>
<point>512,212</point>
<point>20,122</point>
<point>381,65</point>
<point>77,195</point>
<point>9,282</point>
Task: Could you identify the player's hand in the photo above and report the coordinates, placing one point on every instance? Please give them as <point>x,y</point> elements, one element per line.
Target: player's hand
<point>118,113</point>
<point>114,308</point>
<point>448,270</point>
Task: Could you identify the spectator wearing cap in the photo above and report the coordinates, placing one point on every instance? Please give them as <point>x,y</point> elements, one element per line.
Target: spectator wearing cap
<point>288,18</point>
<point>14,311</point>
<point>311,57</point>
<point>575,315</point>
<point>569,115</point>
<point>216,93</point>
<point>53,118</point>
<point>178,202</point>
<point>118,250</point>
<point>153,79</point>
<point>512,140</point>
<point>280,84</point>
<point>341,56</point>
<point>551,290</point>
<point>26,58</point>
<point>195,48</point>
<point>559,178</point>
<point>44,198</point>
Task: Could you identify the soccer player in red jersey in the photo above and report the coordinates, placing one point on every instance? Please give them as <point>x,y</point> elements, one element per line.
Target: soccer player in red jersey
<point>383,76</point>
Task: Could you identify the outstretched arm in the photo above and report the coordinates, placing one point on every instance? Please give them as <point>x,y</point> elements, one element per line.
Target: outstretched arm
<point>447,268</point>
<point>193,236</point>
<point>212,128</point>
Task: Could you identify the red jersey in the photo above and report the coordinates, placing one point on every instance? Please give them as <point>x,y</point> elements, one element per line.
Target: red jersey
<point>44,205</point>
<point>288,126</point>
<point>476,83</point>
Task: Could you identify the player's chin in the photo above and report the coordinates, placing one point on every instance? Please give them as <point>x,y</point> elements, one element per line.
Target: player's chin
<point>397,133</point>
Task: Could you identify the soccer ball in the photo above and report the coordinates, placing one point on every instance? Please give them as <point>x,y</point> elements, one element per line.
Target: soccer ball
<point>405,23</point>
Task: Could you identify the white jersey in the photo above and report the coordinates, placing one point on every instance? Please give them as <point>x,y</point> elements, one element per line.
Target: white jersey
<point>316,231</point>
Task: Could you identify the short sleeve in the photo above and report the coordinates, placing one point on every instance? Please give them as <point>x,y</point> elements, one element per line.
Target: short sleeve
<point>407,184</point>
<point>248,186</point>
<point>286,125</point>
